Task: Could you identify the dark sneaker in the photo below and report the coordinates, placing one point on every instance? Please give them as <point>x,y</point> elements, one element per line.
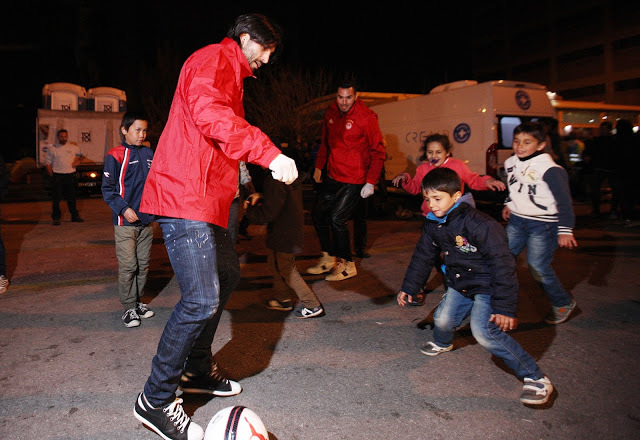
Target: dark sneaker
<point>170,422</point>
<point>4,283</point>
<point>212,383</point>
<point>283,306</point>
<point>304,312</point>
<point>558,315</point>
<point>536,392</point>
<point>144,311</point>
<point>431,349</point>
<point>77,219</point>
<point>131,318</point>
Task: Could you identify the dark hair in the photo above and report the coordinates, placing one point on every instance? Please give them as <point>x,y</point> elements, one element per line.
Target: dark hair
<point>347,83</point>
<point>62,130</point>
<point>261,29</point>
<point>442,179</point>
<point>130,117</point>
<point>535,129</point>
<point>442,139</point>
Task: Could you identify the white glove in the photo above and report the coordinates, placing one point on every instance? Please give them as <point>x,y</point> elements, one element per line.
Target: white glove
<point>284,169</point>
<point>367,190</point>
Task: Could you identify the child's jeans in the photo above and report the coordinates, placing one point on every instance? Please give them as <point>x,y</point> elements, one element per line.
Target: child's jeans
<point>541,241</point>
<point>455,307</point>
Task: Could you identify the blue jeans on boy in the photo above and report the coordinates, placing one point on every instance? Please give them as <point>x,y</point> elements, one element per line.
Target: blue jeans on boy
<point>455,307</point>
<point>541,241</point>
<point>207,270</point>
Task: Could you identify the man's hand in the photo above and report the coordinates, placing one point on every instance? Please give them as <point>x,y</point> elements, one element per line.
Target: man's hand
<point>567,240</point>
<point>366,191</point>
<point>505,323</point>
<point>317,175</point>
<point>253,200</point>
<point>284,169</point>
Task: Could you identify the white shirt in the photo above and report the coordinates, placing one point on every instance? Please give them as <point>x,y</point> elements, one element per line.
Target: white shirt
<point>60,157</point>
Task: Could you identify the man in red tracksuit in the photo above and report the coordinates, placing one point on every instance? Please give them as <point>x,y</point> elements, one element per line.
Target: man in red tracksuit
<point>353,153</point>
<point>190,187</point>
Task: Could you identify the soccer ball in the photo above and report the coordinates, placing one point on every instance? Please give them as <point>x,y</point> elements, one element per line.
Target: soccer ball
<point>236,423</point>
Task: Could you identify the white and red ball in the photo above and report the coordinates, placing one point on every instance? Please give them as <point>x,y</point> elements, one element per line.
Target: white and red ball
<point>236,423</point>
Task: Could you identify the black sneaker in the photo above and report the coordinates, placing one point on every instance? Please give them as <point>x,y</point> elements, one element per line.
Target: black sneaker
<point>212,383</point>
<point>170,422</point>
<point>77,219</point>
<point>144,311</point>
<point>131,318</point>
<point>305,312</point>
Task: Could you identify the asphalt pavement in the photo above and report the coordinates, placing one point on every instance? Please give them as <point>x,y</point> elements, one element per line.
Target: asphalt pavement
<point>70,370</point>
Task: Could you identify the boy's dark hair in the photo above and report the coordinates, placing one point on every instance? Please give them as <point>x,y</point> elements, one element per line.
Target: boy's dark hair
<point>62,130</point>
<point>442,139</point>
<point>130,117</point>
<point>442,179</point>
<point>261,29</point>
<point>535,129</point>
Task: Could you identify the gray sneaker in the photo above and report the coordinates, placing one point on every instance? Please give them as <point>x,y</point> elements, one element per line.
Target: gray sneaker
<point>431,349</point>
<point>558,315</point>
<point>536,392</point>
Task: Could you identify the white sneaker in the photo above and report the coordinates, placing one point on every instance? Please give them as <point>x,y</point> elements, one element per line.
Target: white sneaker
<point>536,392</point>
<point>344,269</point>
<point>324,265</point>
<point>4,283</point>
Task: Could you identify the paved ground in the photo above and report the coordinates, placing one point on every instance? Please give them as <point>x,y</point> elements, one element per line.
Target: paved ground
<point>70,370</point>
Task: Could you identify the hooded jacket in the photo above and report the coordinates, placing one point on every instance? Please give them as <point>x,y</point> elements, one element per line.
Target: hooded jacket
<point>195,168</point>
<point>476,257</point>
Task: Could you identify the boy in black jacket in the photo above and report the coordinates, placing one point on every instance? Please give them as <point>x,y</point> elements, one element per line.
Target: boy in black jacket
<point>481,280</point>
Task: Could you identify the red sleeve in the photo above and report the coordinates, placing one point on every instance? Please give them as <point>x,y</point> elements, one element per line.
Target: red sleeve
<point>475,181</point>
<point>414,186</point>
<point>378,153</point>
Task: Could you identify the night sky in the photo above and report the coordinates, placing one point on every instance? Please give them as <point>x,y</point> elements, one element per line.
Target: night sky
<point>405,49</point>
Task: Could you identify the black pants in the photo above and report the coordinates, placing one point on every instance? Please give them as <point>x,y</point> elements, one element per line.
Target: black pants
<point>335,205</point>
<point>63,186</point>
<point>360,226</point>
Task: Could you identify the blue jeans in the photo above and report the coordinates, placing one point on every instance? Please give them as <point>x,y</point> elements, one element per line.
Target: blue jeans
<point>207,270</point>
<point>455,307</point>
<point>541,241</point>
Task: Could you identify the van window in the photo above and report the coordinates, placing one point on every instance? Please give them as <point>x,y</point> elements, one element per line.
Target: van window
<point>506,125</point>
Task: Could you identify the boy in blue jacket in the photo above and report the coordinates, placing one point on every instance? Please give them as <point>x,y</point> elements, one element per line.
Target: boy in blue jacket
<point>125,172</point>
<point>481,279</point>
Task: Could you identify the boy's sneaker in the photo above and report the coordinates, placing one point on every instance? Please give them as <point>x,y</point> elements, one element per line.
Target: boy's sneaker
<point>344,270</point>
<point>212,383</point>
<point>170,422</point>
<point>283,306</point>
<point>432,349</point>
<point>4,283</point>
<point>558,315</point>
<point>131,318</point>
<point>305,312</point>
<point>536,392</point>
<point>324,265</point>
<point>144,311</point>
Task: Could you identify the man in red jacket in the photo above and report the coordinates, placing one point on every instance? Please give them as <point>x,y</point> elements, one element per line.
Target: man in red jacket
<point>353,152</point>
<point>190,187</point>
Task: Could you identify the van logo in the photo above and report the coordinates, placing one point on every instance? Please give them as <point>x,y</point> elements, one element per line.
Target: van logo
<point>523,100</point>
<point>462,133</point>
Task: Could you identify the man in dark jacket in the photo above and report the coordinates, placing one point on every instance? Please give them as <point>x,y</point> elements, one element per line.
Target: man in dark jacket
<point>481,280</point>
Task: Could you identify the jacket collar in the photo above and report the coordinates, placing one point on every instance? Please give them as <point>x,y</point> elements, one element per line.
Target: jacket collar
<point>231,45</point>
<point>453,212</point>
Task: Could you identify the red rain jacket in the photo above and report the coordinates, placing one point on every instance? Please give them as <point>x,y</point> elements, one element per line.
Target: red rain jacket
<point>194,174</point>
<point>353,144</point>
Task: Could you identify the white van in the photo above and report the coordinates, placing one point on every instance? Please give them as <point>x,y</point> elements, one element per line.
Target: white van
<point>479,118</point>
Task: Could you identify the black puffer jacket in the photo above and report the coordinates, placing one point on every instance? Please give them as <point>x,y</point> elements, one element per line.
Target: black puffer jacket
<point>476,256</point>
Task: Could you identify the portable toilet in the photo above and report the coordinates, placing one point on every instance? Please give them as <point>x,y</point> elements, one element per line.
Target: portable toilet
<point>107,99</point>
<point>64,96</point>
